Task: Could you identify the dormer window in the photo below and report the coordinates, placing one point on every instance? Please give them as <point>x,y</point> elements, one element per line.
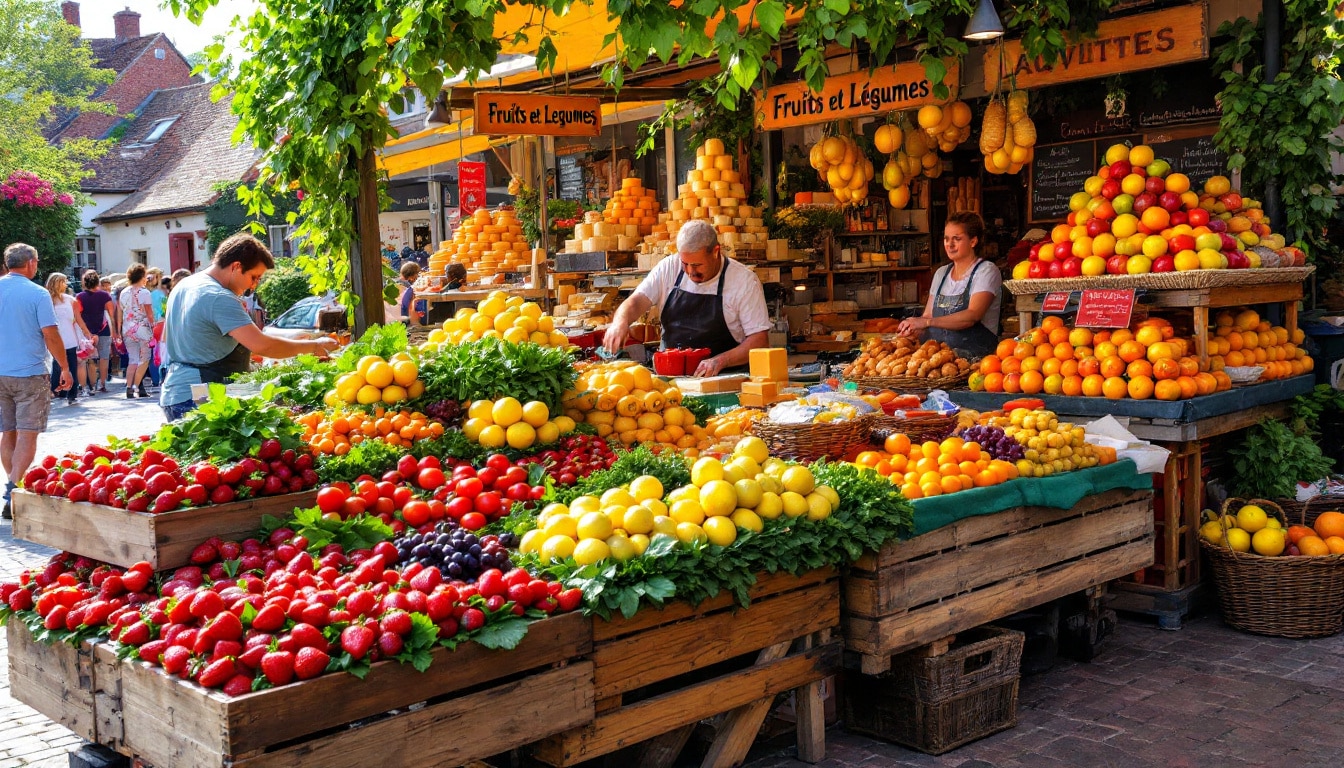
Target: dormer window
<point>160,127</point>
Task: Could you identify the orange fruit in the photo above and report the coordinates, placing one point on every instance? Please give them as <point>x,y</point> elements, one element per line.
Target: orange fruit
<point>897,443</point>
<point>1336,545</point>
<point>1033,364</point>
<point>1121,335</point>
<point>1312,546</point>
<point>911,491</point>
<point>1063,350</point>
<point>1080,337</point>
<point>932,489</point>
<point>1297,532</point>
<point>1012,383</point>
<point>1188,387</point>
<point>1114,388</point>
<point>1068,368</point>
<point>1167,390</point>
<point>1051,366</point>
<point>1105,349</point>
<point>1139,368</point>
<point>1330,524</point>
<point>1148,335</point>
<point>1189,366</point>
<point>1089,365</point>
<point>931,449</point>
<point>1206,383</point>
<point>994,382</point>
<point>1160,350</point>
<point>1012,365</point>
<point>1005,348</point>
<point>1053,385</point>
<point>868,458</point>
<point>991,364</point>
<point>1131,351</point>
<point>1166,368</point>
<point>1045,350</point>
<point>1112,367</point>
<point>1024,350</point>
<point>986,477</point>
<point>1058,335</point>
<point>1073,385</point>
<point>1032,382</point>
<point>951,484</point>
<point>1051,322</point>
<point>1092,385</point>
<point>1140,387</point>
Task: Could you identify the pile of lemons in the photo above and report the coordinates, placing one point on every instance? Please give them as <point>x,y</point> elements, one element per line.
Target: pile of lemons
<point>506,421</point>
<point>1251,529</point>
<point>376,380</point>
<point>721,499</point>
<point>503,316</point>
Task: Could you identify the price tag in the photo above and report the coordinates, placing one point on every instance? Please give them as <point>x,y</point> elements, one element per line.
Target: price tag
<point>1105,308</point>
<point>1055,301</point>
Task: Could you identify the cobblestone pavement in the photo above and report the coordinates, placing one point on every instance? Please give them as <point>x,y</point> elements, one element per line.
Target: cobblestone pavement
<point>1204,696</point>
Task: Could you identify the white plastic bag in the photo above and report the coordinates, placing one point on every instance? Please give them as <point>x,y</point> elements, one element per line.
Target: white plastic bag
<point>1107,432</point>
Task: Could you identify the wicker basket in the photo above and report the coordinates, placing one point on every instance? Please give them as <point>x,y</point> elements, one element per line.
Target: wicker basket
<point>911,385</point>
<point>809,442</point>
<point>936,704</point>
<point>918,428</point>
<point>1191,280</point>
<point>1277,596</point>
<point>1307,511</point>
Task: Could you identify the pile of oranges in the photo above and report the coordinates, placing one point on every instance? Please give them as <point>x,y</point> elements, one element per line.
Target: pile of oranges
<point>330,434</point>
<point>1324,537</point>
<point>933,469</point>
<point>1244,339</point>
<point>1149,361</point>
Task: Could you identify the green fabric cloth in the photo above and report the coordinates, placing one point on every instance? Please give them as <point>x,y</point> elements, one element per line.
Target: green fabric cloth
<point>1060,491</point>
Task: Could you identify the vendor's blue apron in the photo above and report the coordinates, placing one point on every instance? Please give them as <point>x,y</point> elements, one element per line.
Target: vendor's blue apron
<point>971,343</point>
<point>692,320</point>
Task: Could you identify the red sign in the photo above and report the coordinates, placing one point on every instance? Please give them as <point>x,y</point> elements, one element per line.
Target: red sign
<point>1105,308</point>
<point>470,187</point>
<point>1055,301</point>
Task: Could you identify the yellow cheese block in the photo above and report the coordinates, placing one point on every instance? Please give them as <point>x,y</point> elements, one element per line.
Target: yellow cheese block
<point>770,364</point>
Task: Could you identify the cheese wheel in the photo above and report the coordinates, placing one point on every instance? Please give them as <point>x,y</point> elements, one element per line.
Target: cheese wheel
<point>710,174</point>
<point>724,162</point>
<point>703,163</point>
<point>727,201</point>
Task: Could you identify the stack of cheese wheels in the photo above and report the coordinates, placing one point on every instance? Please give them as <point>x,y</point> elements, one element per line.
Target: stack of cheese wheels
<point>633,204</point>
<point>595,234</point>
<point>489,243</point>
<point>713,192</point>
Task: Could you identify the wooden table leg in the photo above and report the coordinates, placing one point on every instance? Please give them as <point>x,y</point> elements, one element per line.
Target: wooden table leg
<point>1201,320</point>
<point>1024,322</point>
<point>810,710</point>
<point>1290,318</point>
<point>1194,499</point>
<point>1171,519</point>
<point>740,726</point>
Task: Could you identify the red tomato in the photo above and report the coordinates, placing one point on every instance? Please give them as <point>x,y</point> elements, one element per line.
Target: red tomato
<point>489,476</point>
<point>473,521</point>
<point>384,506</point>
<point>331,499</point>
<point>368,491</point>
<point>401,496</point>
<point>431,462</point>
<point>515,474</point>
<point>416,513</point>
<point>470,487</point>
<point>458,507</point>
<point>354,505</point>
<point>488,503</point>
<point>437,510</point>
<point>386,489</point>
<point>430,478</point>
<point>498,462</point>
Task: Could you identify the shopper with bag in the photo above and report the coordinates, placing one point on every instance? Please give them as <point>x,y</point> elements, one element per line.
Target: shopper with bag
<point>137,323</point>
<point>72,329</point>
<point>98,310</point>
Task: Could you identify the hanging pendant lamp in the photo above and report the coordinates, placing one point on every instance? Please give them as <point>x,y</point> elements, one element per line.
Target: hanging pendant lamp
<point>985,23</point>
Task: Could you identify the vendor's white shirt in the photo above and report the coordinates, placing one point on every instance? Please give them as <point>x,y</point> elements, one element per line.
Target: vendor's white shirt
<point>743,298</point>
<point>987,280</point>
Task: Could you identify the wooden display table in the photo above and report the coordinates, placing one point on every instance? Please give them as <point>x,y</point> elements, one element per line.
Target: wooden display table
<point>984,567</point>
<point>490,702</point>
<point>124,538</point>
<point>659,673</point>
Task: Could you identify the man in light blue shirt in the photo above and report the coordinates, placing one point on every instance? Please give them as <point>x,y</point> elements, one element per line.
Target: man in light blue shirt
<point>27,335</point>
<point>207,333</point>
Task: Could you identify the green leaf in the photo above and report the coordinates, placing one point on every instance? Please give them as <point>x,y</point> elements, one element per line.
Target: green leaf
<point>770,15</point>
<point>504,634</point>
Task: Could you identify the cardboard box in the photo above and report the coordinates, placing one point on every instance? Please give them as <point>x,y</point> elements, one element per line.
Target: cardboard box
<point>767,274</point>
<point>770,364</point>
<point>799,273</point>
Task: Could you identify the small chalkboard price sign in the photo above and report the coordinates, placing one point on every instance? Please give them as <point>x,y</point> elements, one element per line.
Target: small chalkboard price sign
<point>1197,157</point>
<point>1105,308</point>
<point>1059,171</point>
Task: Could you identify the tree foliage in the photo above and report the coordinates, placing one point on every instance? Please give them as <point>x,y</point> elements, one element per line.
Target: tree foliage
<point>33,212</point>
<point>1287,125</point>
<point>46,72</point>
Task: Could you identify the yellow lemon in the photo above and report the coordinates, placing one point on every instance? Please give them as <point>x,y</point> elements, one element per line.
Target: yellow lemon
<point>640,542</point>
<point>720,530</point>
<point>1251,518</point>
<point>416,389</point>
<point>646,487</point>
<point>368,395</point>
<point>718,498</point>
<point>521,435</point>
<point>656,506</point>
<point>591,551</point>
<point>506,411</point>
<point>748,493</point>
<point>593,525</point>
<point>618,496</point>
<point>684,492</point>
<point>748,520</point>
<point>622,549</point>
<point>796,478</point>
<point>690,532</point>
<point>1212,532</point>
<point>770,484</point>
<point>530,309</point>
<point>664,525</point>
<point>366,362</point>
<point>491,307</point>
<point>830,494</point>
<point>404,373</point>
<point>548,433</point>
<point>380,374</point>
<point>584,504</point>
<point>481,323</point>
<point>532,541</point>
<point>774,466</point>
<point>771,506</point>
<point>546,325</point>
<point>558,339</point>
<point>616,515</point>
<point>536,413</point>
<point>818,507</point>
<point>753,448</point>
<point>473,428</point>
<point>561,525</point>
<point>687,511</point>
<point>393,394</point>
<point>557,548</point>
<point>492,436</point>
<point>1273,522</point>
<point>638,520</point>
<point>706,469</point>
<point>515,335</point>
<point>480,409</point>
<point>1239,540</point>
<point>795,504</point>
<point>1269,542</point>
<point>554,508</point>
<point>563,423</point>
<point>749,466</point>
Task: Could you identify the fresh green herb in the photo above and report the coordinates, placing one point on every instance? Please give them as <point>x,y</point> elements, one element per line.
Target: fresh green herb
<point>699,407</point>
<point>1272,459</point>
<point>303,380</point>
<point>669,467</point>
<point>381,340</point>
<point>228,428</point>
<point>492,368</point>
<point>371,457</point>
<point>451,444</point>
<point>358,532</point>
<point>1309,408</point>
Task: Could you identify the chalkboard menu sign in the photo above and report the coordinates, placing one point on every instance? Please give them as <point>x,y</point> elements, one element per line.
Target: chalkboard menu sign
<point>1196,157</point>
<point>571,177</point>
<point>1057,172</point>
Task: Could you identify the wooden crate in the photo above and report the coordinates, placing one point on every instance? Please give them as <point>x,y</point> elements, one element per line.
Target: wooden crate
<point>395,717</point>
<point>124,538</point>
<point>985,567</point>
<point>659,673</point>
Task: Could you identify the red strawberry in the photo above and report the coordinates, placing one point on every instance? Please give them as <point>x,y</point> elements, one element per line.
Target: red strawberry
<point>112,585</point>
<point>134,581</point>
<point>278,667</point>
<point>206,604</point>
<point>216,673</point>
<point>439,606</point>
<point>356,640</point>
<point>252,656</point>
<point>229,648</point>
<point>225,626</point>
<point>21,600</point>
<point>308,636</point>
<point>472,619</point>
<point>570,599</point>
<point>427,580</point>
<point>316,614</point>
<point>269,619</point>
<point>310,662</point>
<point>175,659</point>
<point>361,602</point>
<point>390,644</point>
<point>153,651</point>
<point>223,494</point>
<point>398,622</point>
<point>238,685</point>
<point>136,634</point>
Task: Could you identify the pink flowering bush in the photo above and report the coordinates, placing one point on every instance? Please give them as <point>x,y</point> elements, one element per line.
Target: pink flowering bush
<point>33,212</point>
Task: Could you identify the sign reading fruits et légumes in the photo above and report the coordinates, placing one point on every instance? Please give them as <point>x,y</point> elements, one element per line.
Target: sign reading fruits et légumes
<point>524,114</point>
<point>1120,46</point>
<point>858,94</point>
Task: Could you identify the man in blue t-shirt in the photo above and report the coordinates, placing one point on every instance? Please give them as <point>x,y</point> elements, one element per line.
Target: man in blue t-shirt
<point>27,335</point>
<point>208,335</point>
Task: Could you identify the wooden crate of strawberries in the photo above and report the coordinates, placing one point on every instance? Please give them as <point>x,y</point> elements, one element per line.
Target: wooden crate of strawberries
<point>658,673</point>
<point>395,717</point>
<point>123,538</point>
<point>985,567</point>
